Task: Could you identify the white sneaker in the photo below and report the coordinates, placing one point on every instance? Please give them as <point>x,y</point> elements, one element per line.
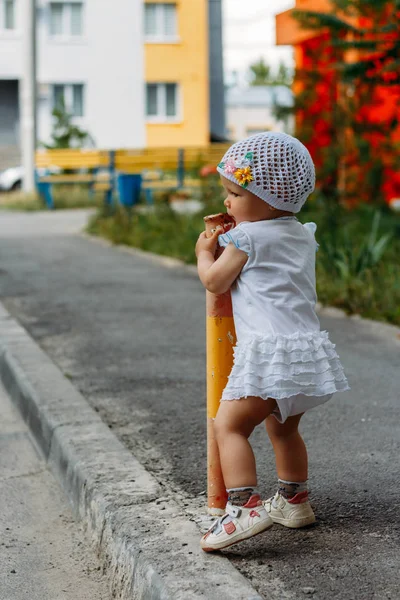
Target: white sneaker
<point>239,523</point>
<point>294,513</point>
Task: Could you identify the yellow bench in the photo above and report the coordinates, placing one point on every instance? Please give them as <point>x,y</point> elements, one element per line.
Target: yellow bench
<point>160,168</point>
<point>167,160</point>
<point>86,164</point>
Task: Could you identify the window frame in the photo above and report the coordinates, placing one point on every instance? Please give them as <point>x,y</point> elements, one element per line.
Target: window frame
<point>53,95</point>
<point>14,9</point>
<point>162,116</point>
<point>69,96</point>
<point>73,88</point>
<point>66,20</point>
<point>5,31</point>
<point>161,38</point>
<point>73,35</point>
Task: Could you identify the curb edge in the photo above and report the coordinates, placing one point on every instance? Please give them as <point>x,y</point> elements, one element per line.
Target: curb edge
<point>147,553</point>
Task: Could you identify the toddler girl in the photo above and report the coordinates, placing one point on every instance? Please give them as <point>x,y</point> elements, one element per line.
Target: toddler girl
<point>283,363</point>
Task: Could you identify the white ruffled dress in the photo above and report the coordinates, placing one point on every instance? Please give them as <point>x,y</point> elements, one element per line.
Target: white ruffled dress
<point>281,352</point>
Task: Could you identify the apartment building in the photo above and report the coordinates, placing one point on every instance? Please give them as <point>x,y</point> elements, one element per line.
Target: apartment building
<point>176,72</point>
<point>134,73</point>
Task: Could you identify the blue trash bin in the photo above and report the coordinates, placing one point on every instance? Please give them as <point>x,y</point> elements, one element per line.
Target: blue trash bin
<point>129,187</point>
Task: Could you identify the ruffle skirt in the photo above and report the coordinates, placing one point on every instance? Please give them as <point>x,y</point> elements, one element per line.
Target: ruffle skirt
<point>303,364</point>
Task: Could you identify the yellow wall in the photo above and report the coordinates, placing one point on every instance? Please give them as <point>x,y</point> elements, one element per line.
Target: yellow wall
<point>184,63</point>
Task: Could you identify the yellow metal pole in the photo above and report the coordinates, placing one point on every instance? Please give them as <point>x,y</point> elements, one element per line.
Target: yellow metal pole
<point>221,338</point>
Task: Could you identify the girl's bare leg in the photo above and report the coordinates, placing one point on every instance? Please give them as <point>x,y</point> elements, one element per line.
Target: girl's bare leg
<point>233,425</point>
<point>290,450</point>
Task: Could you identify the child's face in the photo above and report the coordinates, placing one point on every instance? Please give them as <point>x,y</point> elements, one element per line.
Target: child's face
<point>242,205</point>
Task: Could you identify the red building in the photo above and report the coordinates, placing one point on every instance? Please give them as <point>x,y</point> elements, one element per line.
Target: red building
<point>313,51</point>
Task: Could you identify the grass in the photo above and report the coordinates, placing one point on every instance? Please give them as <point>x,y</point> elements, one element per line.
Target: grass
<point>350,274</point>
<point>65,197</point>
<point>162,231</point>
<point>356,271</point>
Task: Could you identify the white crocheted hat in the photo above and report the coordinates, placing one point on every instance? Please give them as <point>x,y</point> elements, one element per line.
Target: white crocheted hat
<point>274,166</point>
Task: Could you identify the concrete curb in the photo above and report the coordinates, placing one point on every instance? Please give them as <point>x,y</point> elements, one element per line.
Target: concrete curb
<point>148,546</point>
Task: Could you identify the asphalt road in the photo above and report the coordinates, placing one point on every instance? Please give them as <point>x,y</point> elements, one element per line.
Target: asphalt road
<point>131,336</point>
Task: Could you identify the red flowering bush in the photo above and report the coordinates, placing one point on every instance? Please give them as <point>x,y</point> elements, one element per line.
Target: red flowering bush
<point>208,170</point>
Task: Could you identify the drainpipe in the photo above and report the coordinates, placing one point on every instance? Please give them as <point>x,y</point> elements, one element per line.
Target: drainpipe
<point>28,93</point>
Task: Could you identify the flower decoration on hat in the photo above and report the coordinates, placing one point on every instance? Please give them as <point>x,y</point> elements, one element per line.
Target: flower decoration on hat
<point>240,169</point>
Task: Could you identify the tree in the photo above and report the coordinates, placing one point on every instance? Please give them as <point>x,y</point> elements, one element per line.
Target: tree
<point>284,75</point>
<point>375,37</point>
<point>65,134</point>
<point>260,73</point>
<point>350,68</point>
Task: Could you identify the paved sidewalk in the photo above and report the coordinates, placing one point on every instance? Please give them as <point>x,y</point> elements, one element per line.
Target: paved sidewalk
<point>43,551</point>
<point>130,335</point>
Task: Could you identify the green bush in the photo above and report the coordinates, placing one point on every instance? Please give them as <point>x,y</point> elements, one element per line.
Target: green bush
<point>162,231</point>
<point>357,262</point>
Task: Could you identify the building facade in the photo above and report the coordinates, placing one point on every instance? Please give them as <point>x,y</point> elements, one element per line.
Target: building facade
<point>177,73</point>
<point>251,110</point>
<point>133,73</point>
<point>90,55</point>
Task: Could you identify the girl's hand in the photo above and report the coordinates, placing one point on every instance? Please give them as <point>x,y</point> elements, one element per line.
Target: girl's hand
<point>208,244</point>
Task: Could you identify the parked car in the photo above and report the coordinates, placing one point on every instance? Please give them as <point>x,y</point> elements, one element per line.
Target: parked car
<point>11,179</point>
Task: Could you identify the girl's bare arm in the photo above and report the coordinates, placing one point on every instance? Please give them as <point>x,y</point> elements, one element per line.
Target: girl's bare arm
<point>217,275</point>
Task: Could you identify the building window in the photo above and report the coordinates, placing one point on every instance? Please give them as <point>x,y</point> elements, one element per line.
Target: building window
<point>66,19</point>
<point>162,101</point>
<point>160,22</point>
<point>70,98</point>
<point>170,99</point>
<point>152,99</point>
<point>8,10</point>
<point>56,19</point>
<point>59,97</point>
<point>77,100</point>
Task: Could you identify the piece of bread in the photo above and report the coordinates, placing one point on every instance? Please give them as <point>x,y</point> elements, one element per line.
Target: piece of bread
<point>220,219</point>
